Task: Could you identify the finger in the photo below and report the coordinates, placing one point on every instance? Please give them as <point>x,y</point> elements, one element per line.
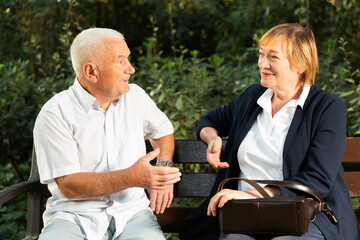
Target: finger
<point>166,170</point>
<point>159,201</point>
<point>211,209</point>
<point>171,197</point>
<point>212,205</point>
<point>214,164</point>
<point>151,155</point>
<point>161,185</point>
<point>224,200</point>
<point>170,182</point>
<point>223,165</point>
<point>208,210</point>
<point>167,178</point>
<point>164,202</point>
<point>213,159</point>
<point>153,198</point>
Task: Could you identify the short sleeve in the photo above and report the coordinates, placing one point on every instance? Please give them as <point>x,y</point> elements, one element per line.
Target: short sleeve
<point>156,123</point>
<point>55,148</point>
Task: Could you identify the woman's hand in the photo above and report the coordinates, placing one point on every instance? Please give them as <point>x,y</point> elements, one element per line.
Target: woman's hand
<point>225,195</point>
<point>213,153</point>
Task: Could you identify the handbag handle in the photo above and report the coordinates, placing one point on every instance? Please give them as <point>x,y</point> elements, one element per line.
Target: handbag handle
<point>292,185</point>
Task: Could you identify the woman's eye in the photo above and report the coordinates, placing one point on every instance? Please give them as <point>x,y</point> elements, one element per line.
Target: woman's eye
<point>274,57</point>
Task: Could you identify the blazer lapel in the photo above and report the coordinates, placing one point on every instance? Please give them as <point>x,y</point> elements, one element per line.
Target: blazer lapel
<point>298,116</point>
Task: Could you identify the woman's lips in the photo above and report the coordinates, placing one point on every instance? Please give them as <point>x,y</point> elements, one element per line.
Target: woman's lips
<point>266,74</point>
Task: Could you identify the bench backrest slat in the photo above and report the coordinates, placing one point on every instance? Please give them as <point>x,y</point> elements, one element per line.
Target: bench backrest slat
<point>195,185</point>
<point>352,150</point>
<point>353,182</point>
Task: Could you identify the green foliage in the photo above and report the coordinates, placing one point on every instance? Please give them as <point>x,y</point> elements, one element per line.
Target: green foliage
<point>13,220</point>
<point>190,56</point>
<point>351,92</point>
<point>187,87</point>
<point>18,108</point>
<point>356,202</point>
<point>12,215</point>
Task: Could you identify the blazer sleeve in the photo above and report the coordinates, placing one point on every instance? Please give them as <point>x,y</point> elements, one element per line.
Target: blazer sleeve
<point>225,119</point>
<point>220,119</point>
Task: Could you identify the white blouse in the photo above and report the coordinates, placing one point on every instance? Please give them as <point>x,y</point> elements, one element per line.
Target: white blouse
<point>260,153</point>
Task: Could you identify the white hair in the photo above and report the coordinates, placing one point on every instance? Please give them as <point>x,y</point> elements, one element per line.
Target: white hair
<point>87,46</point>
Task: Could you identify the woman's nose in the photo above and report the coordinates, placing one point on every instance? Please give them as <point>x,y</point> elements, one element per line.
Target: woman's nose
<point>263,63</point>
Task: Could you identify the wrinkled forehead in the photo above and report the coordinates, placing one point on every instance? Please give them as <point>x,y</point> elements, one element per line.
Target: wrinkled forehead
<point>116,47</point>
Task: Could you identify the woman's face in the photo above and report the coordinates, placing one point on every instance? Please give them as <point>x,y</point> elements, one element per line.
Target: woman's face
<point>275,69</point>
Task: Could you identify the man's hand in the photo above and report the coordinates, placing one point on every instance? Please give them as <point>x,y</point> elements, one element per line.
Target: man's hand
<point>143,174</point>
<point>87,185</point>
<point>213,153</point>
<point>161,199</point>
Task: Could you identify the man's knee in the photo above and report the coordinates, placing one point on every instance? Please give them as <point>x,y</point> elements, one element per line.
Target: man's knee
<point>59,229</point>
<point>146,221</point>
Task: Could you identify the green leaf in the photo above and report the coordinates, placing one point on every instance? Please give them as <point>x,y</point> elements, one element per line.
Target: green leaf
<point>348,93</point>
<point>179,104</point>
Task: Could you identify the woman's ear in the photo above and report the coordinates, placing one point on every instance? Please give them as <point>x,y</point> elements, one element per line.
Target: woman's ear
<point>91,72</point>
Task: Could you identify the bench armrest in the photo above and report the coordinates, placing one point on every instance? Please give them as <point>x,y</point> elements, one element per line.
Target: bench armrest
<point>15,190</point>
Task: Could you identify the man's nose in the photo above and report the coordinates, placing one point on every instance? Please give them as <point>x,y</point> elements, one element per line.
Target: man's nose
<point>130,69</point>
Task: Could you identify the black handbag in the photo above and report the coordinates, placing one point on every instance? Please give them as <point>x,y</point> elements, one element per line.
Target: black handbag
<point>272,215</point>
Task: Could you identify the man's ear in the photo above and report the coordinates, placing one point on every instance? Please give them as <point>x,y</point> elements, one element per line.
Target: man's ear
<point>91,72</point>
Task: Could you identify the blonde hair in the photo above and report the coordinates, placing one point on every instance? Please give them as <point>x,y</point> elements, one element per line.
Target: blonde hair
<point>299,46</point>
<point>88,47</point>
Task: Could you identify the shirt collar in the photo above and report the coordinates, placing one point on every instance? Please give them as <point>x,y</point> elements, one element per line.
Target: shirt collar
<point>303,96</point>
<point>264,100</point>
<point>85,99</point>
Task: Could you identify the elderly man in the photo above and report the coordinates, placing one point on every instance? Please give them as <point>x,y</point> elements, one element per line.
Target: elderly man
<point>89,142</point>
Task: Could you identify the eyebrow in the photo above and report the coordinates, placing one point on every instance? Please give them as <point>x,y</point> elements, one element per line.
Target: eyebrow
<point>272,51</point>
<point>122,56</point>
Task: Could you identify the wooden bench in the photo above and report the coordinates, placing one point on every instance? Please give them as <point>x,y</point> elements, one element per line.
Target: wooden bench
<point>192,185</point>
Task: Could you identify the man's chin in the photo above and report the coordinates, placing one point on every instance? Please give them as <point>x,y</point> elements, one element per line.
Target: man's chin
<point>125,89</point>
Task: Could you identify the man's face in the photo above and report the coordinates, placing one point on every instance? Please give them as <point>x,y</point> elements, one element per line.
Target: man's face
<point>114,70</point>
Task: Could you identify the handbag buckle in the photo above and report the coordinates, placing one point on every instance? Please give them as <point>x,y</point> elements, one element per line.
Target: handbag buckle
<point>328,212</point>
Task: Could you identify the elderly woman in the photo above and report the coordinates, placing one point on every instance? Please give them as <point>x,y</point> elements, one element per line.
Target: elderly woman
<point>284,129</point>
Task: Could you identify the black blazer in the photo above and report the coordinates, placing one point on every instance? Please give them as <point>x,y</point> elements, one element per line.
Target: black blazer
<point>312,154</point>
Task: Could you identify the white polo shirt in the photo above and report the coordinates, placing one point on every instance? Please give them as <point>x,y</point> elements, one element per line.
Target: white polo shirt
<point>260,155</point>
<point>73,134</point>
